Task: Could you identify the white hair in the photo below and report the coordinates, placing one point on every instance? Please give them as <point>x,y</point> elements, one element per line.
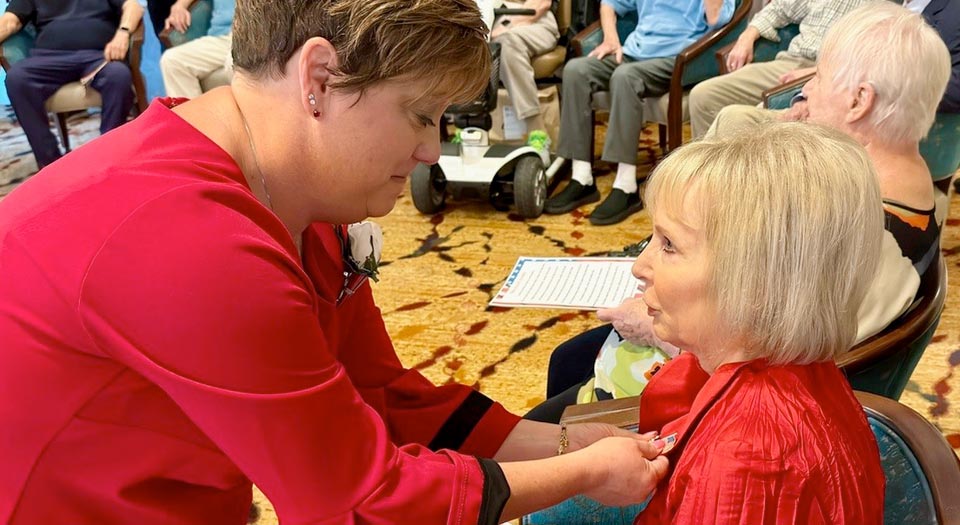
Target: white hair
<point>793,219</point>
<point>901,56</point>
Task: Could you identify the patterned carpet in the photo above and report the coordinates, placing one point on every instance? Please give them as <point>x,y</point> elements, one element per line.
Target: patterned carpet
<point>439,273</point>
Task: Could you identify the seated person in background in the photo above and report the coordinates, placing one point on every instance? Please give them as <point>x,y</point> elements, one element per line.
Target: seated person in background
<point>886,110</point>
<point>74,39</point>
<point>642,67</point>
<point>944,16</point>
<point>185,65</point>
<point>761,291</point>
<point>746,81</point>
<point>522,38</point>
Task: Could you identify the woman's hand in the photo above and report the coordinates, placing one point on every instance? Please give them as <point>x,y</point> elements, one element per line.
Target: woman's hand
<point>582,435</point>
<point>629,469</point>
<point>179,18</point>
<point>614,471</point>
<point>608,47</point>
<point>116,48</point>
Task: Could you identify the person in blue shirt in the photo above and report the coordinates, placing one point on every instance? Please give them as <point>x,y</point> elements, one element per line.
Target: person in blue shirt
<point>640,67</point>
<point>185,65</point>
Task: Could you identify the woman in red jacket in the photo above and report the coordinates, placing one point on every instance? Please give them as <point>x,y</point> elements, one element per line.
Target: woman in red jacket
<point>179,317</point>
<point>764,246</point>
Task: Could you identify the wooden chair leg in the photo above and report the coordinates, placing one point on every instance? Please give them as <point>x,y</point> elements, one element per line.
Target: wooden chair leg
<point>664,148</point>
<point>61,119</point>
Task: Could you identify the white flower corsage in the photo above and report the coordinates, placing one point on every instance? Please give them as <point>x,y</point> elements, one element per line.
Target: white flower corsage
<point>365,240</point>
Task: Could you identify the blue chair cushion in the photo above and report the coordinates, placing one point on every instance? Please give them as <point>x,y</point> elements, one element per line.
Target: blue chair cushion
<point>765,50</point>
<point>582,510</point>
<point>18,46</point>
<point>781,99</point>
<point>907,500</point>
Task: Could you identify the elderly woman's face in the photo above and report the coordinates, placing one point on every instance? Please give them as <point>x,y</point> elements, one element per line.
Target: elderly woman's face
<point>676,268</point>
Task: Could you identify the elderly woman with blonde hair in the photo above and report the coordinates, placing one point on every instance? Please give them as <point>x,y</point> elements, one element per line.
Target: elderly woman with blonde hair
<point>881,73</point>
<point>182,315</point>
<point>764,247</point>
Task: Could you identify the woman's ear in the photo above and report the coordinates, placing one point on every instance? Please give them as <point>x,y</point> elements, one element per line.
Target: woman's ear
<point>861,103</point>
<point>317,58</point>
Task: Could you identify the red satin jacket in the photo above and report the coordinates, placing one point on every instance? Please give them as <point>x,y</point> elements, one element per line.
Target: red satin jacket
<point>162,346</point>
<point>762,445</point>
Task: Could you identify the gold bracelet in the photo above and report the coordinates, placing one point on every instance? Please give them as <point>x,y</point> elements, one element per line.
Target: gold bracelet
<point>564,441</point>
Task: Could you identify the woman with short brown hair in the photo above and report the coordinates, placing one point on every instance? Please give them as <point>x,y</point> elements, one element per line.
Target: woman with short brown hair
<point>182,313</point>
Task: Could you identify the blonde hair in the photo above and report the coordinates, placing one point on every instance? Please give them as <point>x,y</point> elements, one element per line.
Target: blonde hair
<point>901,56</point>
<point>792,215</point>
<point>440,41</point>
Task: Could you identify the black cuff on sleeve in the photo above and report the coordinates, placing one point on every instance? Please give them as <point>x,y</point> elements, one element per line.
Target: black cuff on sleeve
<point>496,492</point>
<point>459,425</point>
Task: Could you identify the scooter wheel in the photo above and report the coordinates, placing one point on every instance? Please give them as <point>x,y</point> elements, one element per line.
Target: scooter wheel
<point>429,188</point>
<point>529,187</point>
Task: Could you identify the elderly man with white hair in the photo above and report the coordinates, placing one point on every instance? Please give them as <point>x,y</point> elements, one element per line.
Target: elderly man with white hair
<point>880,77</point>
<point>881,74</point>
<point>747,79</point>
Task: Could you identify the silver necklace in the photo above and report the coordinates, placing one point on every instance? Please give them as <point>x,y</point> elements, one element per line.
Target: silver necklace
<point>256,161</point>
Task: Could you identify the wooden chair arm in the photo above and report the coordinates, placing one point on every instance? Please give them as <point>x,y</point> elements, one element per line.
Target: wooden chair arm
<point>722,55</point>
<point>687,56</point>
<point>576,43</point>
<point>134,57</point>
<point>164,38</point>
<point>621,413</point>
<point>786,86</point>
<point>705,42</point>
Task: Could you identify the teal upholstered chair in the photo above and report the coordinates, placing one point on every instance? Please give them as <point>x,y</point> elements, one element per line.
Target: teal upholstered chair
<point>941,149</point>
<point>694,64</point>
<point>883,363</point>
<point>200,14</point>
<point>922,471</point>
<point>923,475</point>
<point>75,96</point>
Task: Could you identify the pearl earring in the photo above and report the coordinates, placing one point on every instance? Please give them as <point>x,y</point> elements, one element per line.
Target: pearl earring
<point>313,102</point>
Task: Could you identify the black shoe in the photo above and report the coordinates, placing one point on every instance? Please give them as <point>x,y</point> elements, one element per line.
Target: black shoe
<point>573,196</point>
<point>616,207</point>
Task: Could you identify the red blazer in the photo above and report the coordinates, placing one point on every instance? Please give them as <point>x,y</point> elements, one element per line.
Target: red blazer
<point>162,347</point>
<point>762,445</point>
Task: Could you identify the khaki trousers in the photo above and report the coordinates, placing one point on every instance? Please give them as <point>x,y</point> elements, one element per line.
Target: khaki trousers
<point>518,47</point>
<point>743,86</point>
<point>185,65</point>
<point>736,117</point>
